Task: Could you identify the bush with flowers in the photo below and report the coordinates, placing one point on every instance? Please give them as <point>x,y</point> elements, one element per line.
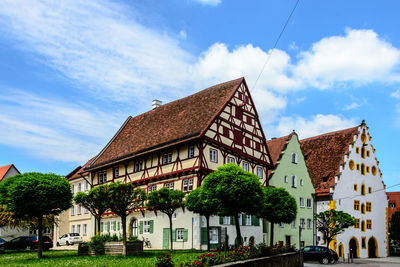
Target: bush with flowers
<point>164,260</point>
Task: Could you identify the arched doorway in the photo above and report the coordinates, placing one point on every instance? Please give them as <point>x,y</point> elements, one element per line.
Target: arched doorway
<point>340,250</point>
<point>372,248</point>
<point>133,227</point>
<point>353,247</point>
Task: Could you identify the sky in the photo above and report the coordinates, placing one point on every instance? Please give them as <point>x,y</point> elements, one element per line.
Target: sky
<point>72,71</point>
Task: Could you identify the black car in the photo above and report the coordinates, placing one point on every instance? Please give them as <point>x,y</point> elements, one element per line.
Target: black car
<point>2,245</point>
<point>321,254</point>
<point>28,242</point>
<point>17,243</point>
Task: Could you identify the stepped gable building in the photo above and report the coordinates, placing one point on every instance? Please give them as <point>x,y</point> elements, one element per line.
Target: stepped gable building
<point>346,177</point>
<point>290,172</point>
<point>394,203</point>
<point>176,145</point>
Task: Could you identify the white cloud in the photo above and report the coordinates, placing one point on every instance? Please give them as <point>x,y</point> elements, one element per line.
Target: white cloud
<point>316,125</point>
<point>208,2</point>
<point>53,129</point>
<point>359,57</point>
<point>396,94</point>
<point>351,106</point>
<point>183,34</point>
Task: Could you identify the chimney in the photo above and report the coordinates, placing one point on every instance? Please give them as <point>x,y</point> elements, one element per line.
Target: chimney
<point>156,103</point>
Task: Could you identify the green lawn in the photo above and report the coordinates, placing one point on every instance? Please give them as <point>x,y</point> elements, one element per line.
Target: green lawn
<point>71,258</point>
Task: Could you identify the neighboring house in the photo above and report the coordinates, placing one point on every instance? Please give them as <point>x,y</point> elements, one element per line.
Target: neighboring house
<point>290,172</point>
<point>394,203</point>
<point>346,176</point>
<point>8,171</point>
<point>175,146</point>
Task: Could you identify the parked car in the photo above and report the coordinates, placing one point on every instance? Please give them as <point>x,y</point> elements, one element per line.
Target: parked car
<point>69,239</point>
<point>17,243</point>
<point>2,245</point>
<point>32,243</point>
<point>321,254</point>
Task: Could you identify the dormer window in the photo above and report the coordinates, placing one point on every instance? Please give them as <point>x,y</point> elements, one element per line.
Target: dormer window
<point>294,157</point>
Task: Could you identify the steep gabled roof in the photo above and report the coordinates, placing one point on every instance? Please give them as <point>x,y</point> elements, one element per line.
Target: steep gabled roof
<point>4,170</point>
<point>79,171</point>
<point>324,154</point>
<point>276,146</point>
<point>172,123</point>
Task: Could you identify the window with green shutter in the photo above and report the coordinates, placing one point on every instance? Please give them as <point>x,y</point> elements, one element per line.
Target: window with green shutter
<point>203,236</point>
<point>119,226</point>
<point>232,220</point>
<point>151,226</point>
<point>108,226</point>
<point>185,235</point>
<point>115,226</point>
<point>141,227</point>
<point>221,220</point>
<point>102,227</point>
<point>243,219</point>
<point>255,221</point>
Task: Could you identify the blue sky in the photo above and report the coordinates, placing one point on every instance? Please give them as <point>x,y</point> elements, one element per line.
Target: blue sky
<point>72,71</point>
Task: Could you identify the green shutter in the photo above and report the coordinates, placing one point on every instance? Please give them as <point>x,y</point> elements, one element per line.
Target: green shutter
<point>221,220</point>
<point>119,226</point>
<point>108,226</point>
<point>115,226</point>
<point>151,226</point>
<point>232,220</point>
<point>165,238</point>
<point>255,221</point>
<point>174,235</point>
<point>185,235</point>
<point>243,219</point>
<point>101,227</point>
<point>141,227</point>
<point>203,234</point>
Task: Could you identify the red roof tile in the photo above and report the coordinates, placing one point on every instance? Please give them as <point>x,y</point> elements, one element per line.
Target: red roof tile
<point>4,170</point>
<point>324,154</point>
<point>78,172</point>
<point>168,124</point>
<point>275,147</point>
<point>394,198</point>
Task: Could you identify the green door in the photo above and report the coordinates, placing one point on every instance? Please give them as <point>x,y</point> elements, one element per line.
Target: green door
<point>165,242</point>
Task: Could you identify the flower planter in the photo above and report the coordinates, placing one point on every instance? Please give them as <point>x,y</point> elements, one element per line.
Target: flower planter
<point>113,248</point>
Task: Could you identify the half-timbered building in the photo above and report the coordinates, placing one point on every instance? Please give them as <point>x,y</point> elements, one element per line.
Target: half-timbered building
<point>176,145</point>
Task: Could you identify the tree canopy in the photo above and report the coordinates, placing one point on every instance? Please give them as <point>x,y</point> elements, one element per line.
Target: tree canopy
<point>166,201</point>
<point>234,191</point>
<point>332,222</point>
<point>394,227</point>
<point>34,195</point>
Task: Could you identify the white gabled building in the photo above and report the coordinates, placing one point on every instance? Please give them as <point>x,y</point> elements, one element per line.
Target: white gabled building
<point>346,175</point>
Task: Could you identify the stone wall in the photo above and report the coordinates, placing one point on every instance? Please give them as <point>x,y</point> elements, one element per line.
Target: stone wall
<point>292,259</point>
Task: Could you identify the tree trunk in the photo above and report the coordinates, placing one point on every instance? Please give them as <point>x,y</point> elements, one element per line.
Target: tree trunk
<point>170,231</point>
<point>208,232</point>
<point>40,247</point>
<point>123,222</point>
<point>271,240</point>
<point>238,235</point>
<point>98,219</point>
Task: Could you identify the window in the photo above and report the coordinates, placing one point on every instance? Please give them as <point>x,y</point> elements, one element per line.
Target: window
<point>367,169</point>
<point>169,185</point>
<point>301,182</point>
<point>226,220</point>
<point>355,187</point>
<point>363,190</point>
<point>72,188</point>
<point>358,167</point>
<point>85,210</point>
<point>79,210</point>
<point>72,210</point>
<point>231,160</point>
<point>179,234</point>
<point>301,202</point>
<point>102,177</point>
<point>351,164</point>
<point>280,225</point>
<point>79,187</point>
<point>368,207</point>
<point>363,152</point>
<point>302,223</point>
<point>190,151</point>
<point>167,157</point>
<point>325,179</point>
<point>309,202</point>
<point>294,181</point>
<point>78,229</point>
<point>369,190</point>
<point>356,205</point>
<point>72,228</point>
<point>245,166</point>
<point>357,150</point>
<point>308,223</point>
<point>373,170</point>
<point>146,226</point>
<point>363,242</point>
<point>138,166</point>
<point>293,224</point>
<point>214,235</point>
<point>357,224</point>
<point>369,224</point>
<point>259,172</point>
<point>86,186</point>
<point>363,226</point>
<point>392,205</point>
<point>286,179</point>
<point>362,169</point>
<point>84,230</point>
<point>115,172</point>
<point>294,157</point>
<point>367,153</point>
<point>187,185</point>
<point>362,208</point>
<point>248,219</point>
<point>151,188</point>
<point>213,155</point>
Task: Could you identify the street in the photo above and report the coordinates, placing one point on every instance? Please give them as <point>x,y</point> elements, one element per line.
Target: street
<point>378,262</point>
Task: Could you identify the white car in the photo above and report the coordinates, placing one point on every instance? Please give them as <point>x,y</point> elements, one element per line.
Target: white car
<point>69,239</point>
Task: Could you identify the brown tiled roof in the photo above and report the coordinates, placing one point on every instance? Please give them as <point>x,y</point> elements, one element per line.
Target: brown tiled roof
<point>394,198</point>
<point>275,147</point>
<point>79,171</point>
<point>5,169</point>
<point>324,154</point>
<point>168,124</point>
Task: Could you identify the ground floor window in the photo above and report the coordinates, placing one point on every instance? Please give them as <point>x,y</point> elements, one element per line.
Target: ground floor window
<point>179,234</point>
<point>214,236</point>
<point>84,229</point>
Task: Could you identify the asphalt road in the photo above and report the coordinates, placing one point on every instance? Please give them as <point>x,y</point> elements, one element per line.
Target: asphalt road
<point>378,262</point>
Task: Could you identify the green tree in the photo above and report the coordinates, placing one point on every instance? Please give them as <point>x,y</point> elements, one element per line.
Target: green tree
<point>234,191</point>
<point>394,227</point>
<point>7,218</point>
<point>166,201</point>
<point>95,201</point>
<point>279,207</point>
<point>122,200</point>
<point>332,222</point>
<point>199,202</point>
<point>34,195</point>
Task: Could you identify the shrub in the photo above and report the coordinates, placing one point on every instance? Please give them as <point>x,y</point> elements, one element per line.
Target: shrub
<point>133,239</point>
<point>97,244</point>
<point>164,260</point>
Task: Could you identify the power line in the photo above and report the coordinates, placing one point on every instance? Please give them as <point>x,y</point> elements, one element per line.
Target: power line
<point>356,196</point>
<point>276,43</point>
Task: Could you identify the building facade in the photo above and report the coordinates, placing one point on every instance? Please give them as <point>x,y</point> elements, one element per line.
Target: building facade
<point>290,172</point>
<point>176,145</point>
<point>394,203</point>
<point>346,175</point>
